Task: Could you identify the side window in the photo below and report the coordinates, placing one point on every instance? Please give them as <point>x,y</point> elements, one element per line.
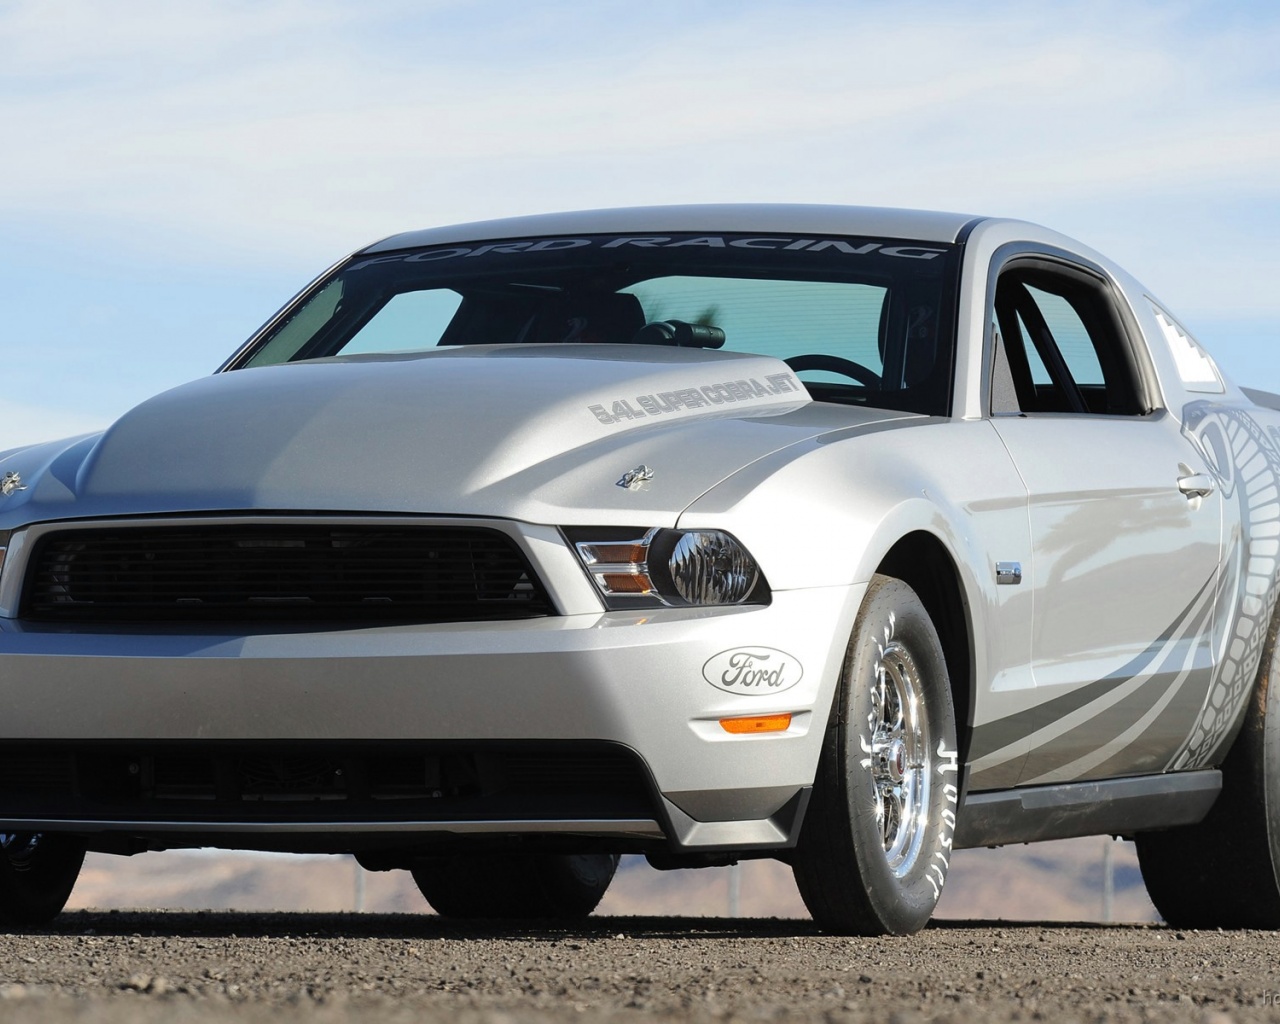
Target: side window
<point>306,323</point>
<point>1039,374</point>
<point>1061,344</point>
<point>1070,335</point>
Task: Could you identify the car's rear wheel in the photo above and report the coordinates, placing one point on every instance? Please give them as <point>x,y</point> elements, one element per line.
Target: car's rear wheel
<point>37,873</point>
<point>1223,872</point>
<point>874,848</point>
<point>515,886</point>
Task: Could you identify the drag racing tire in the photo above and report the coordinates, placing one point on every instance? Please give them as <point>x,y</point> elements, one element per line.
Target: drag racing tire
<point>520,887</point>
<point>37,873</point>
<point>1222,873</point>
<point>875,844</point>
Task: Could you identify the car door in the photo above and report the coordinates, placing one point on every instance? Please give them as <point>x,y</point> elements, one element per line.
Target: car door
<point>1125,529</point>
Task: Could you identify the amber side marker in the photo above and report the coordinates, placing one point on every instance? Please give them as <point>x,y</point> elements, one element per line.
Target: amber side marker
<point>627,582</point>
<point>757,723</point>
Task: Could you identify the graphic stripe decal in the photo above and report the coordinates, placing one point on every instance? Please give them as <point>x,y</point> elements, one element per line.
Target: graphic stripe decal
<point>1245,459</point>
<point>1001,733</point>
<point>1083,765</point>
<point>1053,741</point>
<point>1194,680</point>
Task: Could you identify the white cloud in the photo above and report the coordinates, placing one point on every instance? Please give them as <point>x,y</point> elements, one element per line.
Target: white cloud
<point>279,132</point>
<point>284,125</point>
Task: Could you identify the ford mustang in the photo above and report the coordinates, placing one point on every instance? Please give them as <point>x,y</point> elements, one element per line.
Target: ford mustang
<point>847,537</point>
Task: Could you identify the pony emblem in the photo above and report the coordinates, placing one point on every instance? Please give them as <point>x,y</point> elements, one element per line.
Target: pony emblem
<point>632,479</point>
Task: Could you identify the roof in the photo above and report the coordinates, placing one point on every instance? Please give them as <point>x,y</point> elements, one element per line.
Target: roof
<point>916,225</point>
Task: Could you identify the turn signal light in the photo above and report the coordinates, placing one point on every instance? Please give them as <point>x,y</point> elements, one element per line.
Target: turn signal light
<point>626,582</point>
<point>757,723</point>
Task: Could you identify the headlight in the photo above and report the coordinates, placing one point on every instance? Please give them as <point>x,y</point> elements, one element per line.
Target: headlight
<point>635,568</point>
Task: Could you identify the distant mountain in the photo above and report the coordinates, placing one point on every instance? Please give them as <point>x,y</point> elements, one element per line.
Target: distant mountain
<point>1059,881</point>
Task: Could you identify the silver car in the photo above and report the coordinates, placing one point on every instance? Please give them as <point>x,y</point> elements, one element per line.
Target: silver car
<point>846,537</point>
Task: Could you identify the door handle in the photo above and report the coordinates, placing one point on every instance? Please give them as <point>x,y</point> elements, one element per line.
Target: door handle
<point>1196,485</point>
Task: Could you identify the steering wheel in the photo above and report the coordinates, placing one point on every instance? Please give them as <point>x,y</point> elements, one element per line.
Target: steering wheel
<point>835,364</point>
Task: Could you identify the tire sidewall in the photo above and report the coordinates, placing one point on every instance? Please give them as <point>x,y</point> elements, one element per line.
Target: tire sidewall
<point>1267,701</point>
<point>892,611</point>
<point>576,883</point>
<point>515,886</point>
<point>35,893</point>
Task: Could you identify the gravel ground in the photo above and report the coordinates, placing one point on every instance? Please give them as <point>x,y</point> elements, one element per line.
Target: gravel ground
<point>128,967</point>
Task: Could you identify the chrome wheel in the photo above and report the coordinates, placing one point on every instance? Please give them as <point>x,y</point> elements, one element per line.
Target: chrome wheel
<point>899,755</point>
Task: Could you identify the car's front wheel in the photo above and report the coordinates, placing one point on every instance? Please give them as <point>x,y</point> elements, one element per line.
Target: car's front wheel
<point>515,886</point>
<point>37,873</point>
<point>876,841</point>
<point>1225,871</point>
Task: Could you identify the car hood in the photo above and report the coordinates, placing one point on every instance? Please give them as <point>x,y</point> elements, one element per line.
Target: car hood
<point>538,433</point>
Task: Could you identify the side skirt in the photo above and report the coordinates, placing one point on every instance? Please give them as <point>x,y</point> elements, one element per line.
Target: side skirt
<point>1107,806</point>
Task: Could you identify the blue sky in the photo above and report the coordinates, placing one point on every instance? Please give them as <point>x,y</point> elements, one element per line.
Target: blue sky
<point>173,172</point>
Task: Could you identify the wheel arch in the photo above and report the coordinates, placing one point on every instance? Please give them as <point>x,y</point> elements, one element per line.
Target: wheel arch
<point>922,561</point>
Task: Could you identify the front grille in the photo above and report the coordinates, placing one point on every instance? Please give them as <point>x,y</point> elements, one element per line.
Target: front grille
<point>280,572</point>
<point>321,781</point>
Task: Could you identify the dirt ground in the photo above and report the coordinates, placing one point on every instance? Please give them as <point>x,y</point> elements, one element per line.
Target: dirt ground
<point>167,966</point>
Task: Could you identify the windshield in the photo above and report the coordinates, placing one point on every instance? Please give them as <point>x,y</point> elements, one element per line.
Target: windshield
<point>864,321</point>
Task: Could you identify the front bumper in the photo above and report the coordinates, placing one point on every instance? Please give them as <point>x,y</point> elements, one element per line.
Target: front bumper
<point>633,680</point>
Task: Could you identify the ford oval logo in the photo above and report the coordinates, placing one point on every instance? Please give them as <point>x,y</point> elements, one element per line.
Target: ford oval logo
<point>753,671</point>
